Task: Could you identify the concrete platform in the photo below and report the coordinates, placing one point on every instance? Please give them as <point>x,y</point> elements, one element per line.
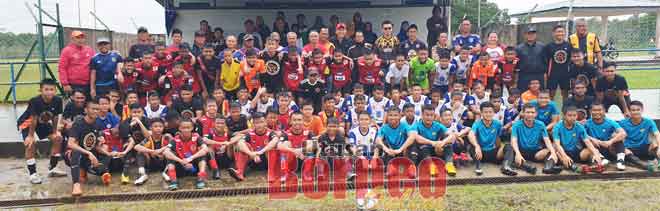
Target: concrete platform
<point>15,185</point>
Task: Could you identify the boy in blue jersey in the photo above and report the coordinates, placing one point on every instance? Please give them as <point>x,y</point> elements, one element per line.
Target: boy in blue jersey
<point>485,143</point>
<point>434,139</point>
<point>572,142</point>
<point>547,110</point>
<point>394,138</point>
<point>104,68</point>
<point>530,141</point>
<point>606,135</point>
<point>637,141</point>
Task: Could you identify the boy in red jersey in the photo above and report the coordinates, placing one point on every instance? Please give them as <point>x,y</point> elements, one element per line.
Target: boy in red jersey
<point>369,72</point>
<point>206,122</point>
<point>149,74</point>
<point>508,74</point>
<point>293,72</point>
<point>186,156</point>
<point>254,149</point>
<point>294,146</point>
<point>173,81</point>
<point>129,75</point>
<point>218,143</point>
<point>340,72</point>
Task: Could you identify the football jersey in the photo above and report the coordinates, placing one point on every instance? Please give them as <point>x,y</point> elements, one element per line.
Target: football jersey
<point>419,104</point>
<point>378,108</point>
<point>363,141</point>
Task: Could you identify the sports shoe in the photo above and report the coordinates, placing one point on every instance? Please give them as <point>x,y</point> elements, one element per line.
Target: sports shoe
<point>650,166</point>
<point>125,179</point>
<point>528,168</point>
<point>56,173</point>
<point>142,179</point>
<point>216,174</point>
<point>76,190</point>
<point>235,174</point>
<point>508,171</point>
<point>478,171</point>
<point>200,184</point>
<point>451,169</point>
<point>464,159</point>
<point>605,162</point>
<point>620,166</point>
<point>173,186</point>
<point>165,177</point>
<point>106,178</point>
<point>35,178</point>
<point>351,176</point>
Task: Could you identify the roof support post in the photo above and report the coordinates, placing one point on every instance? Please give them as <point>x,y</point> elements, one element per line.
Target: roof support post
<point>603,32</point>
<point>657,32</point>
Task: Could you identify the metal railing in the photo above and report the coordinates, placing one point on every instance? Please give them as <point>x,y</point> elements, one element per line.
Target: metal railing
<point>16,75</point>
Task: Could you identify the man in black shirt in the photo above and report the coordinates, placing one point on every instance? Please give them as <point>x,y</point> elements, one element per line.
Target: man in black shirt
<point>312,89</point>
<point>236,122</point>
<point>531,62</point>
<point>341,41</point>
<point>583,71</point>
<point>87,153</point>
<point>209,64</point>
<point>131,131</point>
<point>272,80</point>
<point>557,54</point>
<point>187,105</point>
<point>43,117</point>
<point>581,101</point>
<point>74,109</point>
<point>359,47</point>
<point>143,45</point>
<point>612,89</point>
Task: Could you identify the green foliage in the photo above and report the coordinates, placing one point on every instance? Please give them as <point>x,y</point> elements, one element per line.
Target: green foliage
<point>469,9</point>
<point>16,46</point>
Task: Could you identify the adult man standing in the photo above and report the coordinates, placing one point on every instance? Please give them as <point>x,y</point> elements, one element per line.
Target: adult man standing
<point>412,43</point>
<point>359,48</point>
<point>74,64</point>
<point>341,41</point>
<point>557,54</point>
<point>105,68</point>
<point>532,63</point>
<point>587,42</point>
<point>250,29</point>
<point>198,43</point>
<point>387,44</point>
<point>144,44</point>
<point>466,38</point>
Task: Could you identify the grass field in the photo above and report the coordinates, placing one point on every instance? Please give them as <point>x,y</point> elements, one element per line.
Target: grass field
<point>573,195</point>
<point>637,79</point>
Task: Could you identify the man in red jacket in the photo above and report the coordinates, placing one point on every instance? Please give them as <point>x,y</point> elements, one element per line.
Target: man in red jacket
<point>74,64</point>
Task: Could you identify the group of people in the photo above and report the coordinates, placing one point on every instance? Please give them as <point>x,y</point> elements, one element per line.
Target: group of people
<point>192,111</point>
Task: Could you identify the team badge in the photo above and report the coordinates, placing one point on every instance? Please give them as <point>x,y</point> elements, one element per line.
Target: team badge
<point>46,117</point>
<point>187,114</point>
<point>272,67</point>
<point>89,141</point>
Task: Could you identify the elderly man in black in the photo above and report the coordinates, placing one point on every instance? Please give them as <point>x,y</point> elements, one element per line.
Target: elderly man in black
<point>532,63</point>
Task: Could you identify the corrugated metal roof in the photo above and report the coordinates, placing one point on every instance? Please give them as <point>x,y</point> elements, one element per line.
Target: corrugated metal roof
<point>592,8</point>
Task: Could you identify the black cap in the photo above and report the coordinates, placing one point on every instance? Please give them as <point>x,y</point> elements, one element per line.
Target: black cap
<point>200,34</point>
<point>142,29</point>
<point>248,37</point>
<point>531,29</point>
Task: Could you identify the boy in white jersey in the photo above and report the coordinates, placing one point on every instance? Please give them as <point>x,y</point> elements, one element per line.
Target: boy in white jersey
<point>155,109</point>
<point>358,90</point>
<point>377,104</point>
<point>362,139</point>
<point>395,99</point>
<point>462,62</point>
<point>443,70</point>
<point>261,101</point>
<point>418,100</point>
<point>498,108</point>
<point>351,117</point>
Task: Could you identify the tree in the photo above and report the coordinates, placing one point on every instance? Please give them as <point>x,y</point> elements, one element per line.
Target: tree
<point>469,9</point>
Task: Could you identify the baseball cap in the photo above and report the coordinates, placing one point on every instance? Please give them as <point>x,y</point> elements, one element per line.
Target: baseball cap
<point>248,37</point>
<point>341,26</point>
<point>102,40</point>
<point>531,29</point>
<point>77,33</point>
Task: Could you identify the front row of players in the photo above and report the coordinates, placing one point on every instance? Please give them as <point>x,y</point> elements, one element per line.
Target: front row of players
<point>90,149</point>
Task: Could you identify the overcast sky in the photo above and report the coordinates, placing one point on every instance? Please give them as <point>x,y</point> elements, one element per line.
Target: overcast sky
<point>117,14</point>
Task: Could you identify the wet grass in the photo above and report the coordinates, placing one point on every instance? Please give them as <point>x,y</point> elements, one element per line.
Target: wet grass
<point>573,195</point>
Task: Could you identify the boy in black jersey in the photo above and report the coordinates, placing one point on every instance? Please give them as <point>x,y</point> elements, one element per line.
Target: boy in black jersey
<point>87,153</point>
<point>43,117</point>
<point>150,150</point>
<point>187,105</point>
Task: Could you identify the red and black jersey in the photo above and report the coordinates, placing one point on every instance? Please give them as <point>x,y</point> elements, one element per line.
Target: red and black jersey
<point>258,141</point>
<point>130,80</point>
<point>149,75</point>
<point>185,149</point>
<point>321,67</point>
<point>213,135</point>
<point>209,68</point>
<point>291,76</point>
<point>206,124</point>
<point>164,63</point>
<point>368,74</point>
<point>283,119</point>
<point>173,85</point>
<point>114,143</point>
<point>194,78</point>
<point>340,73</point>
<point>297,140</point>
<point>507,70</point>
